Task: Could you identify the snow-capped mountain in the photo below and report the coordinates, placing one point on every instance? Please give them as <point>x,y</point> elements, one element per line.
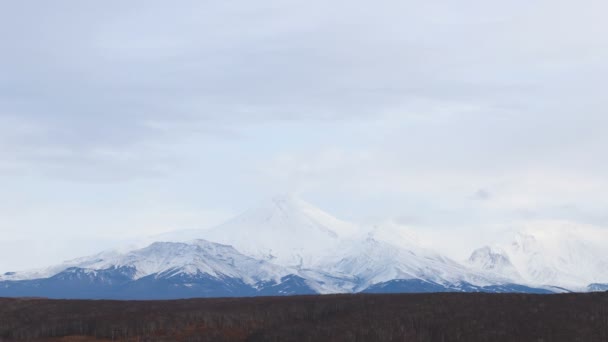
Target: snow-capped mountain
<point>288,246</point>
<point>494,260</point>
<point>165,270</point>
<point>372,261</point>
<point>293,233</point>
<point>566,257</point>
<point>285,230</point>
<point>198,256</point>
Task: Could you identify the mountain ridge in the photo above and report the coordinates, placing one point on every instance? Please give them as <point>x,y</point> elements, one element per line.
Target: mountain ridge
<point>285,246</point>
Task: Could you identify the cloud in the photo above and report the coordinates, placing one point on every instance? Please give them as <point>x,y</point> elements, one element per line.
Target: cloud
<point>482,195</point>
<point>401,109</point>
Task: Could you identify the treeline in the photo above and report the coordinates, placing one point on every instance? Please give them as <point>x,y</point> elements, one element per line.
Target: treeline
<point>398,317</point>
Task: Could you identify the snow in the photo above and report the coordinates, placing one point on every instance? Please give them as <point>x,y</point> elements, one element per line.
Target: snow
<point>555,254</point>
<point>372,261</point>
<point>288,236</point>
<point>195,257</point>
<point>496,261</point>
<point>287,231</point>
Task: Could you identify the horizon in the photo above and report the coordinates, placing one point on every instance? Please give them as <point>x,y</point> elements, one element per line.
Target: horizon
<point>461,123</point>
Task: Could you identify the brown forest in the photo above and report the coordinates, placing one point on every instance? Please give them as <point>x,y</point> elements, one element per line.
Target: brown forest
<point>398,317</point>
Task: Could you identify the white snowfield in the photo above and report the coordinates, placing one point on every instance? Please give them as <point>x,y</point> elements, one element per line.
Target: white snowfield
<point>566,257</point>
<point>288,236</point>
<point>286,231</point>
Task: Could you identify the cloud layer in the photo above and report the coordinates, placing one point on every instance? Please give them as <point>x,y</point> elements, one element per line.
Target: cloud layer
<point>134,118</point>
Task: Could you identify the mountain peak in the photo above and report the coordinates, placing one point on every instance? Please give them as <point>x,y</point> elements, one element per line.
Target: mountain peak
<point>286,205</point>
<point>287,199</point>
<point>286,229</point>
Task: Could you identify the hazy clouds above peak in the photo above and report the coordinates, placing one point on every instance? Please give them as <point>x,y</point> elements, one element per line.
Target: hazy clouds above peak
<point>462,115</point>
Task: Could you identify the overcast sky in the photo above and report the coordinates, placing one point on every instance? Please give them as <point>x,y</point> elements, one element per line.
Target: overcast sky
<point>123,119</point>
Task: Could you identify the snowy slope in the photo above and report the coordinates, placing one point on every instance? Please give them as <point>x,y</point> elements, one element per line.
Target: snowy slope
<point>163,270</point>
<point>286,230</point>
<point>196,257</point>
<point>55,269</point>
<point>495,261</point>
<point>372,261</point>
<point>562,256</point>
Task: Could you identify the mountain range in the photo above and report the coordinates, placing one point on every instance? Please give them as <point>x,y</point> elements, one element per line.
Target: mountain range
<point>288,246</point>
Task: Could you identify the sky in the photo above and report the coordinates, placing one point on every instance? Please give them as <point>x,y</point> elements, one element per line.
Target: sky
<point>458,119</point>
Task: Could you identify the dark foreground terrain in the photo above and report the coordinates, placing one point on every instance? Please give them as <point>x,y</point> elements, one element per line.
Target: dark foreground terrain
<point>362,317</point>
